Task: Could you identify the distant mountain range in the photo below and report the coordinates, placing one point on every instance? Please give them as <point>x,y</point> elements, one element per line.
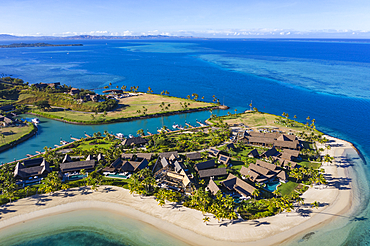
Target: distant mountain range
<point>79,37</point>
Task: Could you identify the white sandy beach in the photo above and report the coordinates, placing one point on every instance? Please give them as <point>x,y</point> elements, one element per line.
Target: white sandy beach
<point>187,224</point>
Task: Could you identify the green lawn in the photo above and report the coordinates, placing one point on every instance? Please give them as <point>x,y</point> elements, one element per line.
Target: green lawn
<point>263,120</point>
<point>307,164</point>
<point>85,145</point>
<point>129,107</point>
<point>9,134</point>
<point>287,188</point>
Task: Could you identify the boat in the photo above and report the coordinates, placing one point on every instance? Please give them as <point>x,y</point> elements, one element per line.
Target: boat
<point>63,142</point>
<point>130,136</point>
<point>119,135</point>
<point>35,121</point>
<point>175,126</point>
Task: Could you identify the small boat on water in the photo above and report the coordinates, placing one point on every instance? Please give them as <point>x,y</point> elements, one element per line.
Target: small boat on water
<point>130,136</point>
<point>175,126</point>
<point>120,135</point>
<point>63,142</point>
<point>35,121</point>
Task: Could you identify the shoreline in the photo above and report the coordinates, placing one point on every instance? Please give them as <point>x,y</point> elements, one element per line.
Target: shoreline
<point>187,224</point>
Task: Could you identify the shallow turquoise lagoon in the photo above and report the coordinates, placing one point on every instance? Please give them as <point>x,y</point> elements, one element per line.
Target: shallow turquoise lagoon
<point>85,227</point>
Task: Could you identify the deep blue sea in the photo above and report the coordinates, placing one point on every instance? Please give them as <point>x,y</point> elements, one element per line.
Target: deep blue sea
<point>328,80</point>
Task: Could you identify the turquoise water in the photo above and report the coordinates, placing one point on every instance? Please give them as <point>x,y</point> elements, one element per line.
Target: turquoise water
<point>326,80</point>
<point>271,186</point>
<point>117,176</point>
<point>85,227</point>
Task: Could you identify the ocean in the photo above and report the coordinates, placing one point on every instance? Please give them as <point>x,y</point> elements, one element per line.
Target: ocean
<point>328,80</point>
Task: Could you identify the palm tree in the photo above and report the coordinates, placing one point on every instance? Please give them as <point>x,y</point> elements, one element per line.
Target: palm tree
<point>315,204</point>
<point>328,158</point>
<point>140,132</point>
<point>276,193</point>
<point>255,193</point>
<point>206,220</point>
<point>27,189</point>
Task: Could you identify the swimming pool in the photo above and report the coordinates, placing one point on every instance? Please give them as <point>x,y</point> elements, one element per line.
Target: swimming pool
<point>272,186</point>
<point>117,176</point>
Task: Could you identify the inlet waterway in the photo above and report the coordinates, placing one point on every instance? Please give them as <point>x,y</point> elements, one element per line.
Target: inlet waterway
<point>51,132</point>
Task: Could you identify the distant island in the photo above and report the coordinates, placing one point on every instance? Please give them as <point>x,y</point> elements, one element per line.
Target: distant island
<point>19,45</point>
<point>82,37</point>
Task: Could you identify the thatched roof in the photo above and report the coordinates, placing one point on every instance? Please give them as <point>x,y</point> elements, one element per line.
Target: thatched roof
<point>117,163</point>
<point>212,187</point>
<point>168,154</point>
<point>33,162</point>
<point>261,170</point>
<point>194,156</point>
<point>127,156</point>
<point>214,172</point>
<point>230,146</point>
<point>287,144</point>
<point>133,166</point>
<point>147,156</point>
<point>266,165</point>
<point>77,166</point>
<point>178,166</point>
<point>134,141</point>
<point>271,152</point>
<point>205,165</point>
<point>254,153</point>
<point>249,172</point>
<point>23,172</point>
<point>67,158</point>
<point>282,175</point>
<point>234,183</point>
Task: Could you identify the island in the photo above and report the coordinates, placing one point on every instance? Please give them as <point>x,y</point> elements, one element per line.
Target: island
<point>22,45</point>
<point>251,178</point>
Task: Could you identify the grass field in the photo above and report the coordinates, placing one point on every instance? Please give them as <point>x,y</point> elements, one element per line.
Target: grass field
<point>131,107</point>
<point>287,188</point>
<point>9,134</point>
<point>104,145</point>
<point>261,120</point>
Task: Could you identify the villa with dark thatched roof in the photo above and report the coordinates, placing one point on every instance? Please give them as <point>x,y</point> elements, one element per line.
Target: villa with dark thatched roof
<point>134,141</point>
<point>194,156</point>
<point>234,183</point>
<point>214,172</point>
<point>77,166</point>
<point>205,165</point>
<point>36,169</point>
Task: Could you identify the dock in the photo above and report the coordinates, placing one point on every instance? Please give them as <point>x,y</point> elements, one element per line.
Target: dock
<point>88,136</point>
<point>76,139</point>
<point>189,125</point>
